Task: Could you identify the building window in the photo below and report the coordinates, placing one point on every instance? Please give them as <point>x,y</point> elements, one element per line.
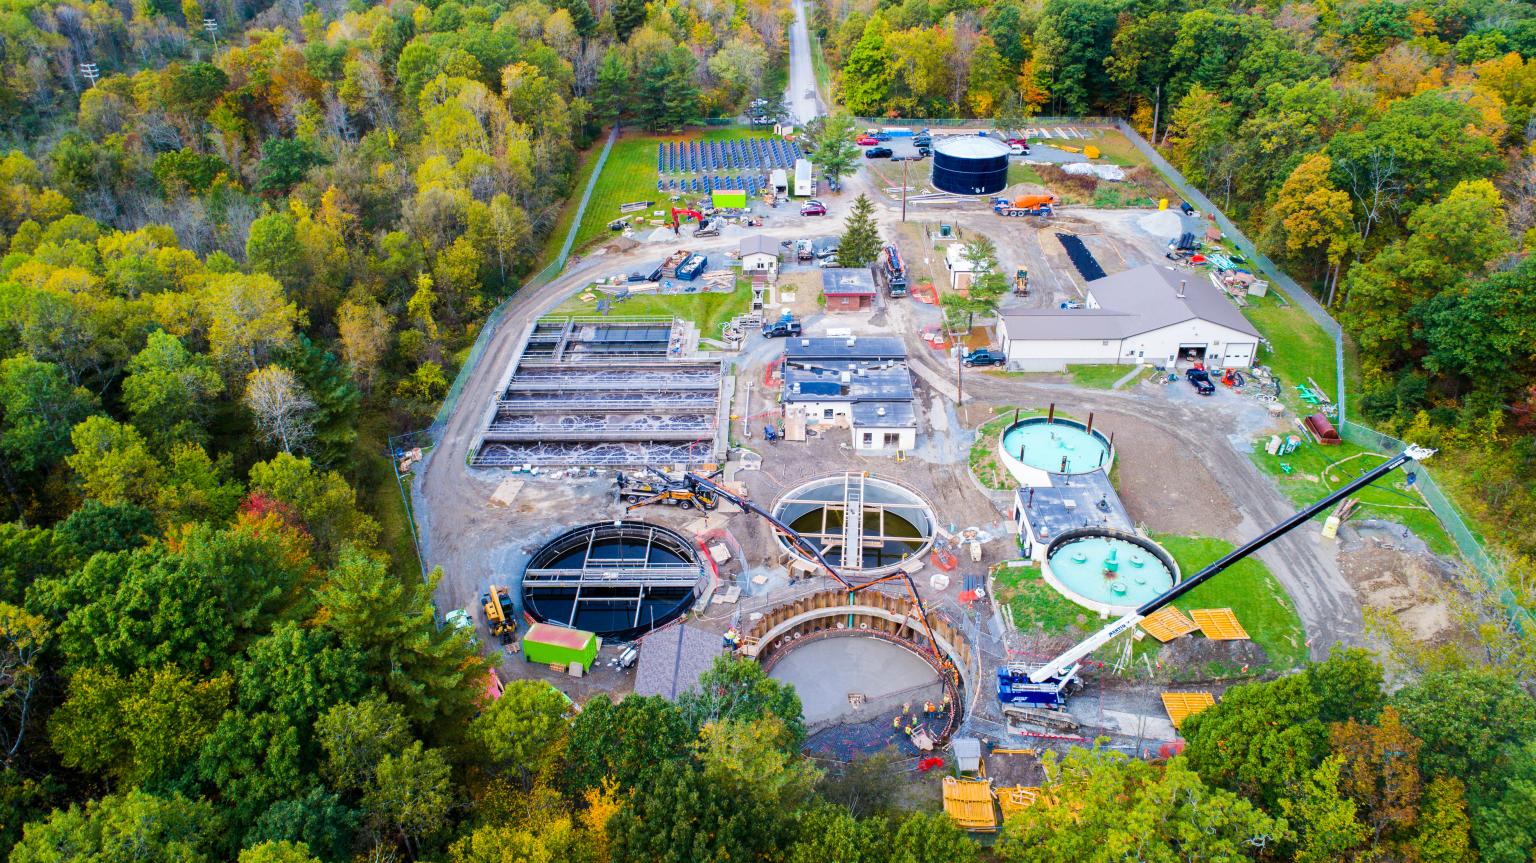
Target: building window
<point>869,439</point>
<point>826,413</point>
<point>892,440</point>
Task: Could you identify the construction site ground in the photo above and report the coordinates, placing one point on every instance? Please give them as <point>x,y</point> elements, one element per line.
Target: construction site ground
<point>1182,467</point>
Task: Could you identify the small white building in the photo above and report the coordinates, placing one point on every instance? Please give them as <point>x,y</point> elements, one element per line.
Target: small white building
<point>1149,315</point>
<point>805,179</point>
<point>962,270</point>
<point>759,254</point>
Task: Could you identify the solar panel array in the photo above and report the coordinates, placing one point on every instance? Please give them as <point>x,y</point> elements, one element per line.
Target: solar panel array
<point>740,164</point>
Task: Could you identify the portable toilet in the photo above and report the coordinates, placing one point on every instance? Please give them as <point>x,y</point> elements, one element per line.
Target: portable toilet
<point>557,645</point>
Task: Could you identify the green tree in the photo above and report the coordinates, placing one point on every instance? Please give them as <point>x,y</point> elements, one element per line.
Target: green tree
<point>931,837</point>
<point>861,237</point>
<point>131,828</point>
<point>1444,834</point>
<point>836,154</point>
<point>272,247</point>
<point>613,85</point>
<point>136,729</point>
<point>281,851</point>
<point>1348,684</point>
<point>412,794</point>
<point>681,816</point>
<point>1479,334</point>
<point>434,674</point>
<point>739,689</point>
<point>112,461</point>
<point>284,162</point>
<point>622,742</point>
<point>169,391</point>
<point>1102,794</point>
<point>1071,45</point>
<point>326,506</point>
<point>40,408</point>
<point>865,80</point>
<point>1324,819</point>
<point>1260,741</point>
<point>318,819</point>
<point>524,730</point>
<point>627,16</point>
<point>357,737</point>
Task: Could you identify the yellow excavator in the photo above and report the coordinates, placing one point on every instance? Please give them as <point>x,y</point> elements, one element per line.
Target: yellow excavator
<point>499,614</point>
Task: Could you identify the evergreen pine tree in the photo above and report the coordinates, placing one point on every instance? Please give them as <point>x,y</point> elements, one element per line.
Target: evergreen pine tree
<point>861,239</point>
<point>612,87</point>
<point>681,101</point>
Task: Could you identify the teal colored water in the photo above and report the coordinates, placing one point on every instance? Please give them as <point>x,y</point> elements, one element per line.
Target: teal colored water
<point>1109,570</point>
<point>1047,444</point>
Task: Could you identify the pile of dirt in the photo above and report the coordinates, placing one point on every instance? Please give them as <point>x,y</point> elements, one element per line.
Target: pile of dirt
<point>1194,658</point>
<point>1410,587</point>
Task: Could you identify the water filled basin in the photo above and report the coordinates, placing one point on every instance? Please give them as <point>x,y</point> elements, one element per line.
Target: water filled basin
<point>1109,571</point>
<point>1056,447</point>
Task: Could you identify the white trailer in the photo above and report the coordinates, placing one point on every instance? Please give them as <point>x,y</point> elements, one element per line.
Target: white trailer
<point>805,180</point>
<point>779,180</point>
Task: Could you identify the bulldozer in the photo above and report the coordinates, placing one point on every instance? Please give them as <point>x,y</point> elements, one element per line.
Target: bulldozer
<point>1021,283</point>
<point>663,489</point>
<point>499,614</point>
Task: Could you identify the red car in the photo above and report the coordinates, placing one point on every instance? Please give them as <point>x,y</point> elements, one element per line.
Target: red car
<point>1022,142</point>
<point>813,208</point>
<point>866,141</point>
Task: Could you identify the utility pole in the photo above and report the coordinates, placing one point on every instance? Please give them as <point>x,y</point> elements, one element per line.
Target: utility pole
<point>212,26</point>
<point>91,72</point>
<point>904,164</point>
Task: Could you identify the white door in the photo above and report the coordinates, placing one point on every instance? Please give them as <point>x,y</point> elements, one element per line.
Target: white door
<point>1239,355</point>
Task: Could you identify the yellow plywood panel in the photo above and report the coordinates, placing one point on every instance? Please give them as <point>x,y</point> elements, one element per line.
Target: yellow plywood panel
<point>970,804</point>
<point>1182,705</point>
<point>1219,624</point>
<point>1168,623</point>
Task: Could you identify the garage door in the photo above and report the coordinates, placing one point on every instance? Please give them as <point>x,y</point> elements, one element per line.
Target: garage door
<point>1239,355</point>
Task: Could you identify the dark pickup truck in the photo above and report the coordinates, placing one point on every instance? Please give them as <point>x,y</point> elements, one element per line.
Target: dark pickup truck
<point>781,329</point>
<point>984,357</point>
<point>1200,379</point>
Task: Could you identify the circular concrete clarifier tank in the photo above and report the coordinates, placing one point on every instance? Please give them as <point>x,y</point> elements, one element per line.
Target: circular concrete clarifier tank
<point>897,524</point>
<point>617,579</point>
<point>1109,570</point>
<point>1056,446</point>
<point>826,672</point>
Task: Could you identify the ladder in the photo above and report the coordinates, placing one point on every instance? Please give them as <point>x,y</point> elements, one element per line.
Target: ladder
<point>853,522</point>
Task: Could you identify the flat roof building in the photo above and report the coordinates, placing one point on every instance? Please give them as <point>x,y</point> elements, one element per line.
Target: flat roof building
<point>861,382</point>
<point>848,289</point>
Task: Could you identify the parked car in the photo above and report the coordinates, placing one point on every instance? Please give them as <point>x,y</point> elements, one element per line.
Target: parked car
<point>984,357</point>
<point>880,136</point>
<point>1022,142</point>
<point>1200,379</point>
<point>813,208</point>
<point>877,153</point>
<point>924,151</point>
<point>826,247</point>
<point>1018,150</point>
<point>781,329</point>
<point>867,140</point>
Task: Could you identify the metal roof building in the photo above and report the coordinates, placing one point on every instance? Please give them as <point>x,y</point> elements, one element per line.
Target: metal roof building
<point>863,382</point>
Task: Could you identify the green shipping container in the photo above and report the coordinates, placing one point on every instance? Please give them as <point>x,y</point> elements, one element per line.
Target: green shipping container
<point>556,645</point>
<point>730,199</point>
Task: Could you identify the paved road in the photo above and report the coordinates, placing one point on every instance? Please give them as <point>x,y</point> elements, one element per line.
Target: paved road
<point>800,95</point>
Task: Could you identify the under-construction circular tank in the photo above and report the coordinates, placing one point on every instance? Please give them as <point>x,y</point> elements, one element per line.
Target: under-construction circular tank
<point>894,524</point>
<point>1035,447</point>
<point>619,579</point>
<point>970,164</point>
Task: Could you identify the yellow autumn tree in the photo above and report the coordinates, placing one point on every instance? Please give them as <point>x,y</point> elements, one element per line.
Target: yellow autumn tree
<point>1313,220</point>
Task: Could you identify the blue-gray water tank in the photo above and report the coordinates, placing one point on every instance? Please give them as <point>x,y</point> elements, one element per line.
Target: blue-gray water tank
<point>970,165</point>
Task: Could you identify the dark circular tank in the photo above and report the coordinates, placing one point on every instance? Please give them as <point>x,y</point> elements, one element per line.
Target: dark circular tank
<point>617,579</point>
<point>970,165</point>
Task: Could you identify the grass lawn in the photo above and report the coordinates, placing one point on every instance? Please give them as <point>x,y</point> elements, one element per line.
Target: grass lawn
<point>379,494</point>
<point>588,161</point>
<point>1098,376</point>
<point>1249,589</point>
<point>1298,348</point>
<point>1315,471</point>
<point>1021,172</point>
<point>1118,149</point>
<point>1034,604</point>
<point>983,456</point>
<point>630,175</point>
<point>707,311</point>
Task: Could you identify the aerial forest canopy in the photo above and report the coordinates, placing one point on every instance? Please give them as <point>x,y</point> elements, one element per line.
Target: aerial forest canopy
<point>1382,151</point>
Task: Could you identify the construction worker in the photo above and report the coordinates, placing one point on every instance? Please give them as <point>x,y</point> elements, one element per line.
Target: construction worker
<point>906,707</point>
<point>928,709</point>
<point>896,723</point>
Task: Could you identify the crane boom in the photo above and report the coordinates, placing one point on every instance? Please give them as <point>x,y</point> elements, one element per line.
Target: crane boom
<point>1063,666</point>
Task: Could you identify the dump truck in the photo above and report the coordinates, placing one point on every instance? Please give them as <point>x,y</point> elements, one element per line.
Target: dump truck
<point>558,645</point>
<point>1026,205</point>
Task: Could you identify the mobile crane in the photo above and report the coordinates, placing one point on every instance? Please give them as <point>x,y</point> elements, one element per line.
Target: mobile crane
<point>1048,685</point>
